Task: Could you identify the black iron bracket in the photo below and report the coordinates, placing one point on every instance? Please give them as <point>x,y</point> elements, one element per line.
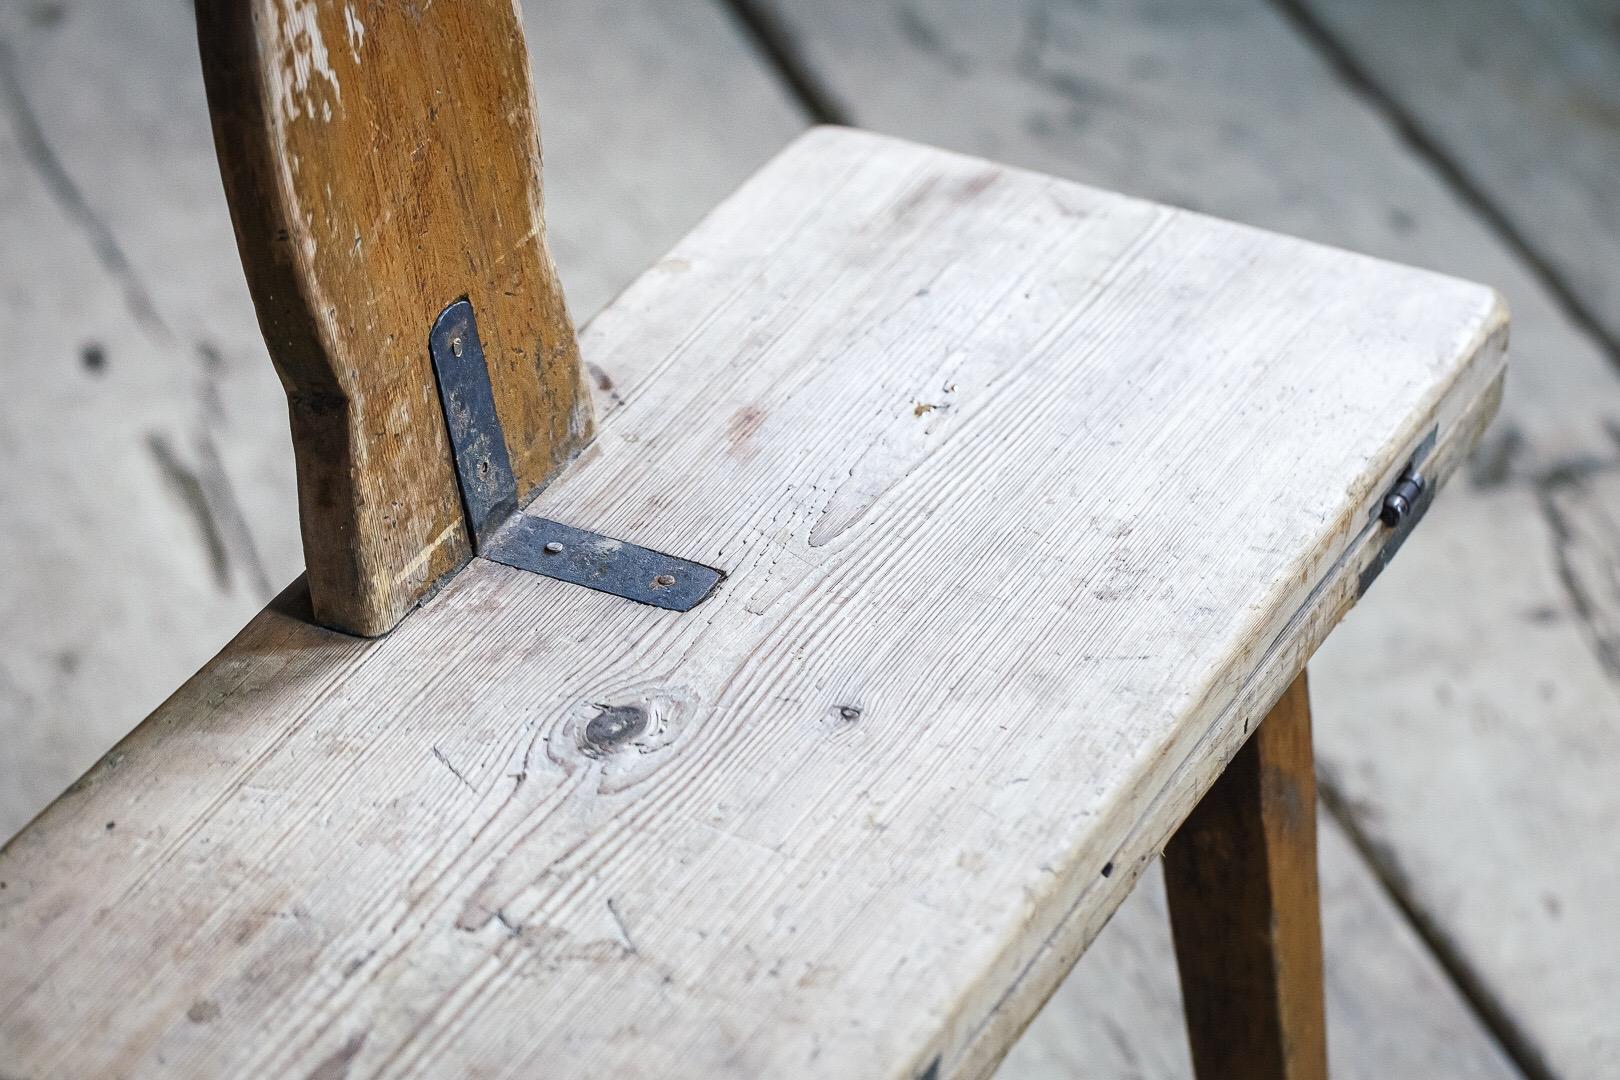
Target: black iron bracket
<point>500,530</point>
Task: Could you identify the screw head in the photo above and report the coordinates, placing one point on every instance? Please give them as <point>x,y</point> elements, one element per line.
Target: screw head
<point>553,548</point>
<point>455,345</point>
<point>664,580</point>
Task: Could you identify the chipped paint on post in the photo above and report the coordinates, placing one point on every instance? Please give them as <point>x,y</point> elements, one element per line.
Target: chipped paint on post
<point>304,58</point>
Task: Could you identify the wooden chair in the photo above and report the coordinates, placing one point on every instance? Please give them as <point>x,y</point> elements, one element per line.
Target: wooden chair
<point>946,534</point>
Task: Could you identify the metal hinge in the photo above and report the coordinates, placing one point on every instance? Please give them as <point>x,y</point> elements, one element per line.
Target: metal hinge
<point>1401,508</point>
<point>500,530</point>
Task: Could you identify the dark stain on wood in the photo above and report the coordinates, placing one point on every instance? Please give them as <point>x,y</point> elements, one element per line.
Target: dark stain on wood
<point>745,423</point>
<point>604,382</point>
<point>202,1011</point>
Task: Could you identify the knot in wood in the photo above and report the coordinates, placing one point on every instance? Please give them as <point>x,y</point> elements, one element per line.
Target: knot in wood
<point>613,727</point>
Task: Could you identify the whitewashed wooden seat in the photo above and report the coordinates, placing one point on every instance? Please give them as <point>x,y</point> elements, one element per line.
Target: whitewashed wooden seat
<point>1032,501</point>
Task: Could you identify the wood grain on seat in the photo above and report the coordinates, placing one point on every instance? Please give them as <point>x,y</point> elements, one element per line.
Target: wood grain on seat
<point>1032,498</point>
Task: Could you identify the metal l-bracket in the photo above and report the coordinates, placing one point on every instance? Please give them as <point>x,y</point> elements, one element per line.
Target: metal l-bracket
<point>503,533</point>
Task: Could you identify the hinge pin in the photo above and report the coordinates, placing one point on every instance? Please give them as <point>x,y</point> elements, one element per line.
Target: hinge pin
<point>1398,503</point>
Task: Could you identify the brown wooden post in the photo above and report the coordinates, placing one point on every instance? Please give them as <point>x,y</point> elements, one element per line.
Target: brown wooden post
<point>381,162</point>
<point>1246,912</point>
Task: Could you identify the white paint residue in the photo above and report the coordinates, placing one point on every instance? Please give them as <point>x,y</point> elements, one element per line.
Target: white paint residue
<point>305,57</point>
<point>355,29</point>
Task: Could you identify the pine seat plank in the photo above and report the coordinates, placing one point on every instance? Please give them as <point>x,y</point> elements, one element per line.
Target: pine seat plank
<point>1032,499</point>
<point>1436,744</point>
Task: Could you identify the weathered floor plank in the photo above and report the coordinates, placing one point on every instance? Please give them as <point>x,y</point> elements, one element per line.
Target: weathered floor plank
<point>1502,838</point>
<point>1169,101</point>
<point>1522,99</point>
<point>144,374</point>
<point>651,112</point>
<point>1392,1012</point>
<point>127,559</point>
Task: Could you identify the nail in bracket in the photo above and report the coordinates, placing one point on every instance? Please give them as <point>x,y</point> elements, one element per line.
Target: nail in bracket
<point>503,533</point>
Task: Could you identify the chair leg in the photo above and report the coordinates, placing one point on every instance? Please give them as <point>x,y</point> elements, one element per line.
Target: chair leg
<point>1245,909</point>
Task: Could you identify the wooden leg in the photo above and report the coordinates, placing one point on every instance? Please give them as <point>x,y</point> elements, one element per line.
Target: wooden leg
<point>1245,910</point>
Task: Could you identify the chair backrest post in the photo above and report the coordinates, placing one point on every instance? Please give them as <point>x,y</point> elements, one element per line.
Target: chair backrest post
<point>382,161</point>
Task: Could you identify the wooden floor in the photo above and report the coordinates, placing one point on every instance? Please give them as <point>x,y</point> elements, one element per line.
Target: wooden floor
<point>1468,713</point>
